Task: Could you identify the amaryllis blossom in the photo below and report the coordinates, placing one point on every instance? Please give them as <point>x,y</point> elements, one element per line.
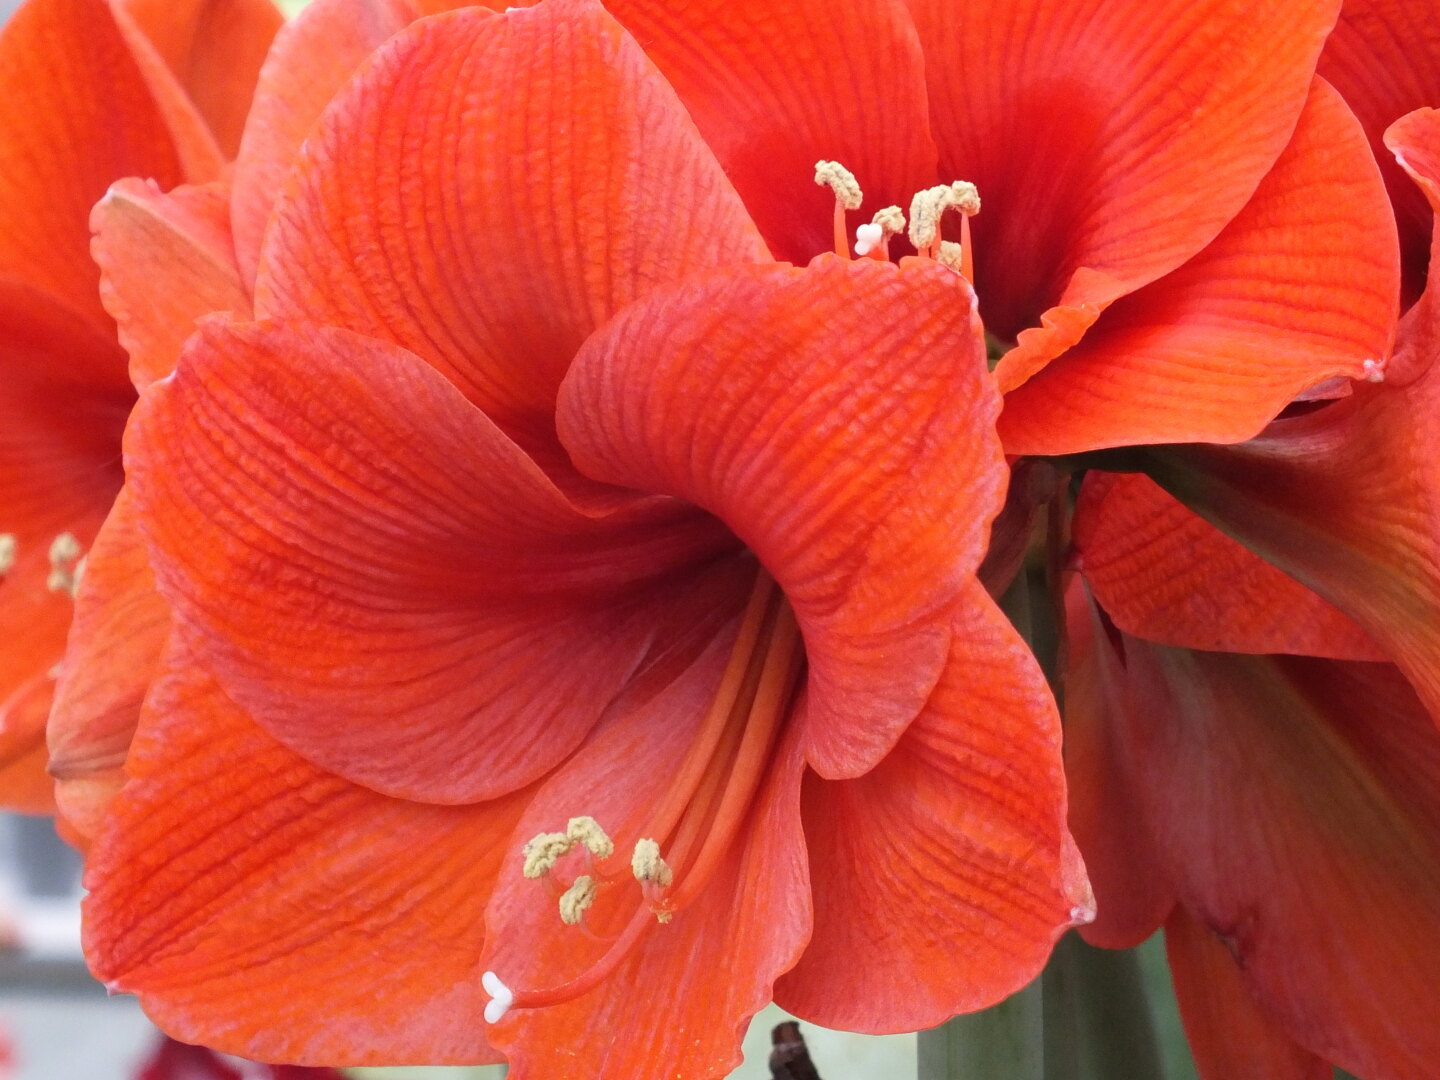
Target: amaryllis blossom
<point>1278,811</point>
<point>565,592</point>
<point>91,92</point>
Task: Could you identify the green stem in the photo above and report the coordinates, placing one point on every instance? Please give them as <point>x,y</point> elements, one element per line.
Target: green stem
<point>1004,1042</point>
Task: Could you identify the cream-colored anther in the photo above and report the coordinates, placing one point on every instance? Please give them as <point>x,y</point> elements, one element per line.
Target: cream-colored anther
<point>841,181</point>
<point>575,900</point>
<point>544,851</point>
<point>951,255</point>
<point>9,547</point>
<point>587,831</point>
<point>649,868</point>
<point>64,570</point>
<point>928,206</point>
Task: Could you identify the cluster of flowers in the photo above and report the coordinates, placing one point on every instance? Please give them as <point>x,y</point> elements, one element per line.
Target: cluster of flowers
<point>503,547</point>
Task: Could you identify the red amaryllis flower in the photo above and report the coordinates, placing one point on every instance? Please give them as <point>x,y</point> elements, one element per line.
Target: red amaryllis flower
<point>576,590</point>
<point>174,1060</point>
<point>91,92</point>
<point>1285,805</point>
<point>166,259</point>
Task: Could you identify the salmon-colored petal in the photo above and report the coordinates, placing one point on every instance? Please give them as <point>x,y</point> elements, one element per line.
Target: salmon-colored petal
<point>1110,143</point>
<point>379,575</point>
<point>119,631</point>
<point>1163,573</point>
<point>1296,812</point>
<point>944,875</point>
<point>685,992</point>
<point>25,786</point>
<point>313,56</point>
<point>165,260</point>
<point>492,239</point>
<point>230,866</point>
<point>1384,57</point>
<point>1228,1033</point>
<point>1300,287</point>
<point>840,421</point>
<point>776,87</point>
<point>1132,895</point>
<point>1347,498</point>
<point>77,115</point>
<point>214,49</point>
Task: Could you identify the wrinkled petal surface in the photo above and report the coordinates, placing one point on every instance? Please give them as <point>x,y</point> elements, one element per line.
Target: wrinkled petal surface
<point>1163,573</point>
<point>362,907</point>
<point>379,575</point>
<point>1300,287</point>
<point>943,877</point>
<point>839,420</point>
<point>1109,142</point>
<point>165,260</point>
<point>492,239</point>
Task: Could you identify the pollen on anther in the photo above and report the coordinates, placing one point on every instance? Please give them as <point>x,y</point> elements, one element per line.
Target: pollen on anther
<point>951,255</point>
<point>648,866</point>
<point>928,206</point>
<point>543,852</point>
<point>841,181</point>
<point>575,900</point>
<point>65,570</point>
<point>9,548</point>
<point>587,831</point>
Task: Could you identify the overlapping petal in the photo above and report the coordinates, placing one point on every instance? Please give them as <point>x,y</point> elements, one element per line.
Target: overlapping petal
<point>719,956</point>
<point>1301,286</point>
<point>364,908</point>
<point>839,419</point>
<point>165,261</point>
<point>77,114</point>
<point>562,179</point>
<point>383,577</point>
<point>776,87</point>
<point>1109,142</point>
<point>1167,575</point>
<point>1292,801</point>
<point>943,876</point>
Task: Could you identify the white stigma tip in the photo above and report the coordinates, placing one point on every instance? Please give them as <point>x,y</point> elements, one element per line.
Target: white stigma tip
<point>866,237</point>
<point>501,997</point>
<point>1374,371</point>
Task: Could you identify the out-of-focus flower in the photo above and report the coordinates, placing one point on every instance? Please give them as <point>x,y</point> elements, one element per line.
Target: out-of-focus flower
<point>175,1060</point>
<point>472,636</point>
<point>89,93</point>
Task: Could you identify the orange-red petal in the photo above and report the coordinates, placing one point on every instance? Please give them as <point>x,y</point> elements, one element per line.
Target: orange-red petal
<point>683,996</point>
<point>119,631</point>
<point>75,115</point>
<point>230,866</point>
<point>944,875</point>
<point>311,59</point>
<point>1384,57</point>
<point>165,260</point>
<point>839,420</point>
<point>388,583</point>
<point>213,49</point>
<point>1229,1035</point>
<point>1163,573</point>
<point>1301,286</point>
<point>492,239</point>
<point>1109,142</point>
<point>774,88</point>
<point>1295,809</point>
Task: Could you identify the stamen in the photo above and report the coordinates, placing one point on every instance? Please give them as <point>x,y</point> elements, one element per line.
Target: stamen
<point>649,868</point>
<point>929,206</point>
<point>543,852</point>
<point>65,570</point>
<point>874,239</point>
<point>9,547</point>
<point>587,831</point>
<point>848,196</point>
<point>575,900</point>
<point>951,255</point>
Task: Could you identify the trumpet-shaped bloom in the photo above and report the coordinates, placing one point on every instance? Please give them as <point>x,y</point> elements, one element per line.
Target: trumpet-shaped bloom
<point>564,590</point>
<point>92,92</point>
